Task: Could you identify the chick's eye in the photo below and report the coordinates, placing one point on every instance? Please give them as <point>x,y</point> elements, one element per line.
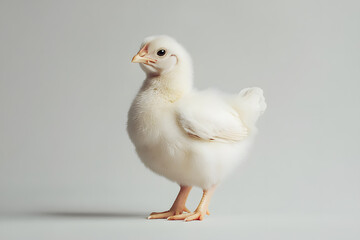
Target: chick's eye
<point>161,52</point>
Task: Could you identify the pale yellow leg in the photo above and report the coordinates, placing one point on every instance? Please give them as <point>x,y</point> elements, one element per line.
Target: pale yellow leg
<point>178,206</point>
<point>200,211</point>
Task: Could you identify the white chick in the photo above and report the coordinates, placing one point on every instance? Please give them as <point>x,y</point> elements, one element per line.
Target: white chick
<point>195,138</point>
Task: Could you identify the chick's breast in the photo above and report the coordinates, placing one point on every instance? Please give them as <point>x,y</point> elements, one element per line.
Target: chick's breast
<point>167,149</point>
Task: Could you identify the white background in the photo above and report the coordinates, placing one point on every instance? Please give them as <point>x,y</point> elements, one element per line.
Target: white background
<point>69,171</point>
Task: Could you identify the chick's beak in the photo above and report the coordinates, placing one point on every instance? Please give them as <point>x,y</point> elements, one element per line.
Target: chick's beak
<point>141,57</point>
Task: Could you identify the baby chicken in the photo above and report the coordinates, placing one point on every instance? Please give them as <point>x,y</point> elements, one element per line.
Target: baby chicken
<point>194,138</point>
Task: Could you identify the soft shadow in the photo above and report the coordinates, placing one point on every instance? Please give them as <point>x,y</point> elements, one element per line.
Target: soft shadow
<point>74,214</point>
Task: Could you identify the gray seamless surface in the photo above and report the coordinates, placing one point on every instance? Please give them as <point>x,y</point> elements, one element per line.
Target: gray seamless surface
<point>66,83</point>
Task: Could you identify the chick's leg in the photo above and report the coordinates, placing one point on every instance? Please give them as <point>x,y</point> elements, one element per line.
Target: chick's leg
<point>178,206</point>
<point>200,211</point>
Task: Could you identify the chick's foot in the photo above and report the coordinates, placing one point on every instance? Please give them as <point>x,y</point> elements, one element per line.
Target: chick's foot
<point>200,211</point>
<point>177,208</point>
<point>197,215</point>
<point>167,214</point>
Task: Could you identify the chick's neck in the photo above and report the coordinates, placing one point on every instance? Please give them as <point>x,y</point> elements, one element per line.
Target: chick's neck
<point>171,85</point>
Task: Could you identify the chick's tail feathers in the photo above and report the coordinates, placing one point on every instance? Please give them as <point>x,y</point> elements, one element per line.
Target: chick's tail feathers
<point>250,104</point>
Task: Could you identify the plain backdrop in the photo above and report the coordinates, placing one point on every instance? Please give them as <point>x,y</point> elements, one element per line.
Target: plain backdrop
<point>66,84</point>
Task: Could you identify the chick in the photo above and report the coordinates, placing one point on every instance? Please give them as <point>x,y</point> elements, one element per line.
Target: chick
<point>194,138</point>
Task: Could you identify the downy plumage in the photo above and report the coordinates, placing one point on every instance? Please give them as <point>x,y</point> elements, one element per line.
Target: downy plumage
<point>195,138</point>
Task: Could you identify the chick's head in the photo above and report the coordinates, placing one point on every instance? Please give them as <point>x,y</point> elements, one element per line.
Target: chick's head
<point>160,54</point>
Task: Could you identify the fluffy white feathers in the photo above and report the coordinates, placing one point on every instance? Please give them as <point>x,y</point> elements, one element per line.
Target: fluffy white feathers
<point>220,122</point>
<point>194,138</point>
